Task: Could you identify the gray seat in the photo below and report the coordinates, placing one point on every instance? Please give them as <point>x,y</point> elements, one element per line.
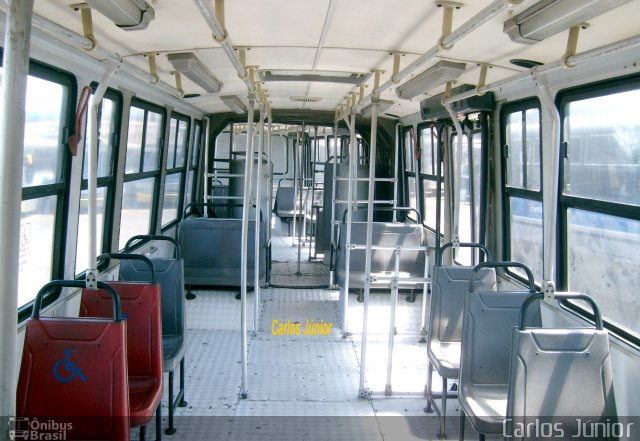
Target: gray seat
<point>489,317</point>
<point>285,201</point>
<point>212,253</point>
<point>557,374</point>
<point>169,274</point>
<point>382,261</point>
<point>449,284</point>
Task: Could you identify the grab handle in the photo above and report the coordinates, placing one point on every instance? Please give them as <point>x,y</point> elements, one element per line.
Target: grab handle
<point>508,264</point>
<point>37,304</point>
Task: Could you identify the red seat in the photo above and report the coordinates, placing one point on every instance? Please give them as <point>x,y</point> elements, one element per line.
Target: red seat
<point>141,308</point>
<point>74,372</point>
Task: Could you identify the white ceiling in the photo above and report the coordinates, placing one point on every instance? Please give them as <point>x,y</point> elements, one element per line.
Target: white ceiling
<point>359,36</point>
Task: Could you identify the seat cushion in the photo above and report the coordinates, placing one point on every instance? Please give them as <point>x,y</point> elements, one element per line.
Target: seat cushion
<point>486,407</point>
<point>173,349</point>
<point>445,357</point>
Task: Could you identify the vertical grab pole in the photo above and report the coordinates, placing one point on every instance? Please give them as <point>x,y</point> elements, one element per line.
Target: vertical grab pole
<point>423,320</point>
<point>398,159</point>
<point>92,172</point>
<point>302,220</point>
<point>392,321</point>
<point>257,253</point>
<point>205,185</point>
<point>248,172</point>
<point>12,121</point>
<point>314,232</point>
<point>304,182</point>
<point>334,182</point>
<point>353,158</point>
<point>457,177</point>
<point>369,243</point>
<point>296,171</point>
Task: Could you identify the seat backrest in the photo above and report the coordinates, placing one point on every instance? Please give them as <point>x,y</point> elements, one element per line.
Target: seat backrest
<point>561,373</point>
<point>285,197</point>
<point>141,308</point>
<point>202,239</point>
<point>489,317</point>
<point>74,372</point>
<point>170,275</point>
<point>449,284</point>
<point>384,234</point>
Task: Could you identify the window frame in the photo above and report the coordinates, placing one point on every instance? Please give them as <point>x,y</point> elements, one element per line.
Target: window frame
<point>597,206</point>
<point>406,175</point>
<point>141,174</point>
<point>60,189</point>
<point>507,191</point>
<point>175,169</point>
<point>195,156</point>
<point>437,177</point>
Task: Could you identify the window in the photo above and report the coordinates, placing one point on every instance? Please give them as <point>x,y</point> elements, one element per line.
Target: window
<point>409,146</point>
<point>142,170</point>
<point>600,204</point>
<point>522,178</point>
<point>470,190</point>
<point>108,130</point>
<point>50,94</point>
<point>176,161</point>
<point>192,180</point>
<point>429,176</point>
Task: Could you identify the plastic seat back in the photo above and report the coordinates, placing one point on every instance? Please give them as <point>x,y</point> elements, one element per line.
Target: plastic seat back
<point>74,371</point>
<point>141,306</point>
<point>169,274</point>
<point>560,373</point>
<point>489,317</point>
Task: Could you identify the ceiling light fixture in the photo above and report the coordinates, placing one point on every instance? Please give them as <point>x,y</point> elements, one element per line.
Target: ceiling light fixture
<point>548,17</point>
<point>383,106</point>
<point>129,15</point>
<point>234,103</point>
<point>191,67</point>
<point>437,75</point>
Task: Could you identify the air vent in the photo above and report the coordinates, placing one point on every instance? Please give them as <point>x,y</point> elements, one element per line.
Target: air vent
<point>305,99</point>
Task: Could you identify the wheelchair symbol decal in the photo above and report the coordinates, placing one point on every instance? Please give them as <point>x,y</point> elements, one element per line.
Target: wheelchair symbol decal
<point>70,366</point>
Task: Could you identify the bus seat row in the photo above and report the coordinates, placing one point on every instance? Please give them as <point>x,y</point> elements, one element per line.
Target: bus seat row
<point>154,314</point>
<point>510,370</point>
<point>211,249</point>
<point>169,274</point>
<point>387,234</point>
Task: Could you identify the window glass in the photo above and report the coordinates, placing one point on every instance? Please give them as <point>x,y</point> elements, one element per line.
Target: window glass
<point>427,150</point>
<point>525,226</point>
<point>153,140</point>
<point>465,225</point>
<point>603,149</point>
<point>523,150</point>
<point>476,153</point>
<point>430,204</point>
<point>408,151</point>
<point>43,132</point>
<point>134,140</point>
<point>171,197</point>
<point>182,143</point>
<point>604,261</point>
<point>171,152</point>
<point>137,202</point>
<point>45,120</point>
<point>189,189</point>
<point>411,187</point>
<point>197,141</point>
<point>36,246</point>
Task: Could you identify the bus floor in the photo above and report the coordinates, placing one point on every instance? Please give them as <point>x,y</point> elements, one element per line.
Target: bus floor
<point>304,387</point>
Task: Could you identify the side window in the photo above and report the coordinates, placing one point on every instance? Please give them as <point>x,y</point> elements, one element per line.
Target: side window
<point>522,188</point>
<point>108,131</point>
<point>408,143</point>
<point>428,176</point>
<point>192,177</point>
<point>42,214</point>
<point>176,166</point>
<point>600,203</point>
<point>142,170</point>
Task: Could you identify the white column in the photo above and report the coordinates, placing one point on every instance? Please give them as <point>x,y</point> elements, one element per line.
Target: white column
<point>12,119</point>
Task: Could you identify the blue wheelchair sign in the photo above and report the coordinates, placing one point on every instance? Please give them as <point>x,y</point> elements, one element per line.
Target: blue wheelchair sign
<point>71,367</point>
